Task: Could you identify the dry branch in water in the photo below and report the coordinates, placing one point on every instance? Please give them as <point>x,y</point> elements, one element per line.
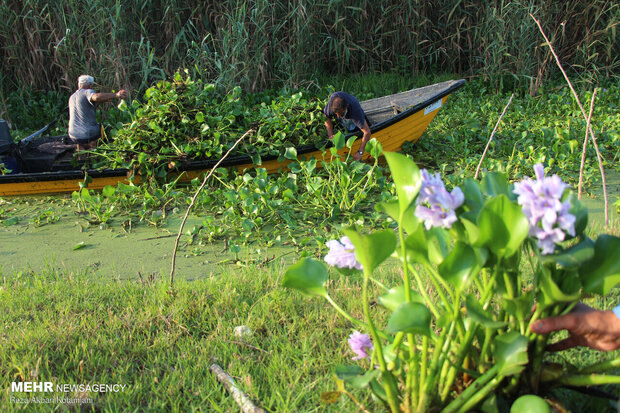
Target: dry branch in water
<point>204,182</point>
<point>583,112</point>
<point>240,398</point>
<point>492,134</point>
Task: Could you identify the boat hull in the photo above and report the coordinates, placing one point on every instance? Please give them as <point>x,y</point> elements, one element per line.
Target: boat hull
<point>407,125</point>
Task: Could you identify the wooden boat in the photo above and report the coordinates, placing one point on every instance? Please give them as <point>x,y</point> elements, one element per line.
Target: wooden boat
<point>393,119</point>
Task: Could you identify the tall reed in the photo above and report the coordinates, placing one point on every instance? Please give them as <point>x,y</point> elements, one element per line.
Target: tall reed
<point>260,43</point>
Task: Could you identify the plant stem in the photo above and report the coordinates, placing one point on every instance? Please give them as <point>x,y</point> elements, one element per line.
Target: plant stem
<point>472,391</point>
<point>389,382</point>
<point>588,380</point>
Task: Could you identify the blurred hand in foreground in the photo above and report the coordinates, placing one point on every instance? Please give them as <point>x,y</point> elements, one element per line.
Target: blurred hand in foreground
<point>599,330</point>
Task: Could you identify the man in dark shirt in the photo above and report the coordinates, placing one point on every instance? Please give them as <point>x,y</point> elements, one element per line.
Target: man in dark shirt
<point>347,109</point>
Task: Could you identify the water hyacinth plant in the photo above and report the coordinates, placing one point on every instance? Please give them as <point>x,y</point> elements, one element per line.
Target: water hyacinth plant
<point>497,257</point>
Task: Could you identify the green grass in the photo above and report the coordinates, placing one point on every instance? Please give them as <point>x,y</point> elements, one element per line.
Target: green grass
<point>76,328</point>
<point>83,328</point>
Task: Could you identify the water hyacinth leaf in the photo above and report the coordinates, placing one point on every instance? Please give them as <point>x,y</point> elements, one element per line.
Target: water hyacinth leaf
<point>79,245</point>
<point>10,221</point>
<point>406,177</point>
<point>460,265</point>
<point>417,247</point>
<point>572,257</point>
<point>602,273</point>
<point>503,226</point>
<point>412,318</point>
<point>579,210</point>
<point>473,196</point>
<point>378,391</point>
<point>479,315</point>
<point>471,230</point>
<point>360,382</point>
<point>510,353</point>
<point>308,276</point>
<point>350,141</point>
<point>551,292</point>
<point>409,222</point>
<point>374,147</point>
<point>108,191</point>
<point>495,183</point>
<point>437,242</point>
<point>372,249</point>
<point>530,403</point>
<point>338,141</point>
<point>348,372</point>
<point>291,153</point>
<point>396,297</point>
<point>519,307</point>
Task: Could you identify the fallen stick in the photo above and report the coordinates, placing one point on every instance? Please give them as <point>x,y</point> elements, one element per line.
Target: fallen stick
<point>204,182</point>
<point>492,134</point>
<point>585,117</point>
<point>240,398</point>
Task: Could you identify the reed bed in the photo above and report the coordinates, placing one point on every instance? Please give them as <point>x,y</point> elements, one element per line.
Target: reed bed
<point>259,44</point>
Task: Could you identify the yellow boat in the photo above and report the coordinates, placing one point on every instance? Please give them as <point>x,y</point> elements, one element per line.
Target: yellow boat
<point>393,120</point>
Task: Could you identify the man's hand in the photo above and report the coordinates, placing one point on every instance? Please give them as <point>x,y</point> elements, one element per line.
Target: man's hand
<point>587,327</point>
<point>122,94</point>
<point>357,156</point>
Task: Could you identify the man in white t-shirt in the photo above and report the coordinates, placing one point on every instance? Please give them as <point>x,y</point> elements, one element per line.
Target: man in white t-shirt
<point>84,130</point>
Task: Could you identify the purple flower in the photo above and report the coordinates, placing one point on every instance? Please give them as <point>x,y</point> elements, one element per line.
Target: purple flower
<point>435,205</point>
<point>342,254</point>
<point>541,202</point>
<point>360,344</point>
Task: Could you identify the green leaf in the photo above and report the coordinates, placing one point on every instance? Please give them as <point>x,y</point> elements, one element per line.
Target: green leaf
<point>79,245</point>
<point>579,210</point>
<point>510,353</point>
<point>338,141</point>
<point>108,191</point>
<point>530,403</point>
<point>417,247</point>
<point>495,183</point>
<point>308,276</point>
<point>461,264</point>
<point>350,141</point>
<point>503,226</point>
<point>348,372</point>
<point>602,273</point>
<point>519,307</point>
<point>409,222</point>
<point>551,292</point>
<point>396,297</point>
<point>437,241</point>
<point>10,221</point>
<point>360,382</point>
<point>479,315</point>
<point>572,257</point>
<point>291,153</point>
<point>406,177</point>
<point>374,147</point>
<point>372,249</point>
<point>412,318</point>
<point>473,196</point>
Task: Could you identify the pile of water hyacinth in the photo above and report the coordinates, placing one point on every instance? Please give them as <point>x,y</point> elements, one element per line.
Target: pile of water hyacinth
<point>185,119</point>
<point>480,265</point>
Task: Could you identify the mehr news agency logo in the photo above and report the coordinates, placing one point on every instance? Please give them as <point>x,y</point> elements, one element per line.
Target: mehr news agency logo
<point>47,387</point>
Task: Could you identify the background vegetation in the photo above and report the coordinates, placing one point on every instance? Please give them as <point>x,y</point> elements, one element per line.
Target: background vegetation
<point>258,44</point>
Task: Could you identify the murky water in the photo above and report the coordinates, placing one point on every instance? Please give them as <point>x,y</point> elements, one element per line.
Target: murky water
<point>70,245</point>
